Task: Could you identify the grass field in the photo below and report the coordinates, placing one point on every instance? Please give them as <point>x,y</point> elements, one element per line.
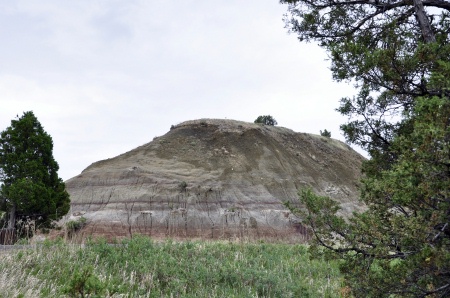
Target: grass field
<point>143,268</point>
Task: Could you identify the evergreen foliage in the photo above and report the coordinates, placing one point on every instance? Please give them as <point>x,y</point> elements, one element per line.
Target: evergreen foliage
<point>30,186</point>
<point>397,53</point>
<point>325,133</point>
<point>266,120</point>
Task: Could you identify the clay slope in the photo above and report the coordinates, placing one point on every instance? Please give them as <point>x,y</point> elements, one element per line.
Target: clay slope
<point>214,179</point>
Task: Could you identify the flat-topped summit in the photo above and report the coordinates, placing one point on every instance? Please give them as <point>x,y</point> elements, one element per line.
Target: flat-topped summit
<point>214,178</point>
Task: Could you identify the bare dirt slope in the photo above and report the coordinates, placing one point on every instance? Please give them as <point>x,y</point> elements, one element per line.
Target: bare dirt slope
<point>214,179</point>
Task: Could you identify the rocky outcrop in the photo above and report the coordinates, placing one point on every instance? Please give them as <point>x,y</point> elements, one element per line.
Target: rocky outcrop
<point>214,179</point>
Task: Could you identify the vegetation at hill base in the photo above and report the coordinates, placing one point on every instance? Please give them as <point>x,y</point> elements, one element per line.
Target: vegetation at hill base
<point>397,54</point>
<point>139,267</point>
<point>30,187</point>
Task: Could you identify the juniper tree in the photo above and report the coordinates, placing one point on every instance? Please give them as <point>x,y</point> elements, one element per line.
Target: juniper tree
<point>266,120</point>
<point>397,54</point>
<point>325,133</point>
<point>30,186</point>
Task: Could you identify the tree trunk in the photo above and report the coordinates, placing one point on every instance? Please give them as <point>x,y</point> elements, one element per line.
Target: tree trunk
<point>12,217</point>
<point>423,21</point>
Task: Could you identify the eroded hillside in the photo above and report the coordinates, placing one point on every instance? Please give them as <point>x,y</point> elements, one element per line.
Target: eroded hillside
<point>214,179</point>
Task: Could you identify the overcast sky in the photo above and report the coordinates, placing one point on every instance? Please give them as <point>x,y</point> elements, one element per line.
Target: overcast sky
<point>105,76</point>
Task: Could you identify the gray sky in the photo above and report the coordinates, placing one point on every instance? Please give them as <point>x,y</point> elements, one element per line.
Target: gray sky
<point>104,77</point>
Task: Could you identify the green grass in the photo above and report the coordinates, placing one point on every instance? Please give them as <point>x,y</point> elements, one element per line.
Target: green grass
<point>143,268</point>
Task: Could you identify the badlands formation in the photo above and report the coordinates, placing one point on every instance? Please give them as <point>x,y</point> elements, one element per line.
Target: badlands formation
<point>214,179</point>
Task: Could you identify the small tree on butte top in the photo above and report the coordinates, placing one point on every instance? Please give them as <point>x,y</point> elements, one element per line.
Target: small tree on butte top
<point>266,120</point>
<point>325,133</point>
<point>30,186</point>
